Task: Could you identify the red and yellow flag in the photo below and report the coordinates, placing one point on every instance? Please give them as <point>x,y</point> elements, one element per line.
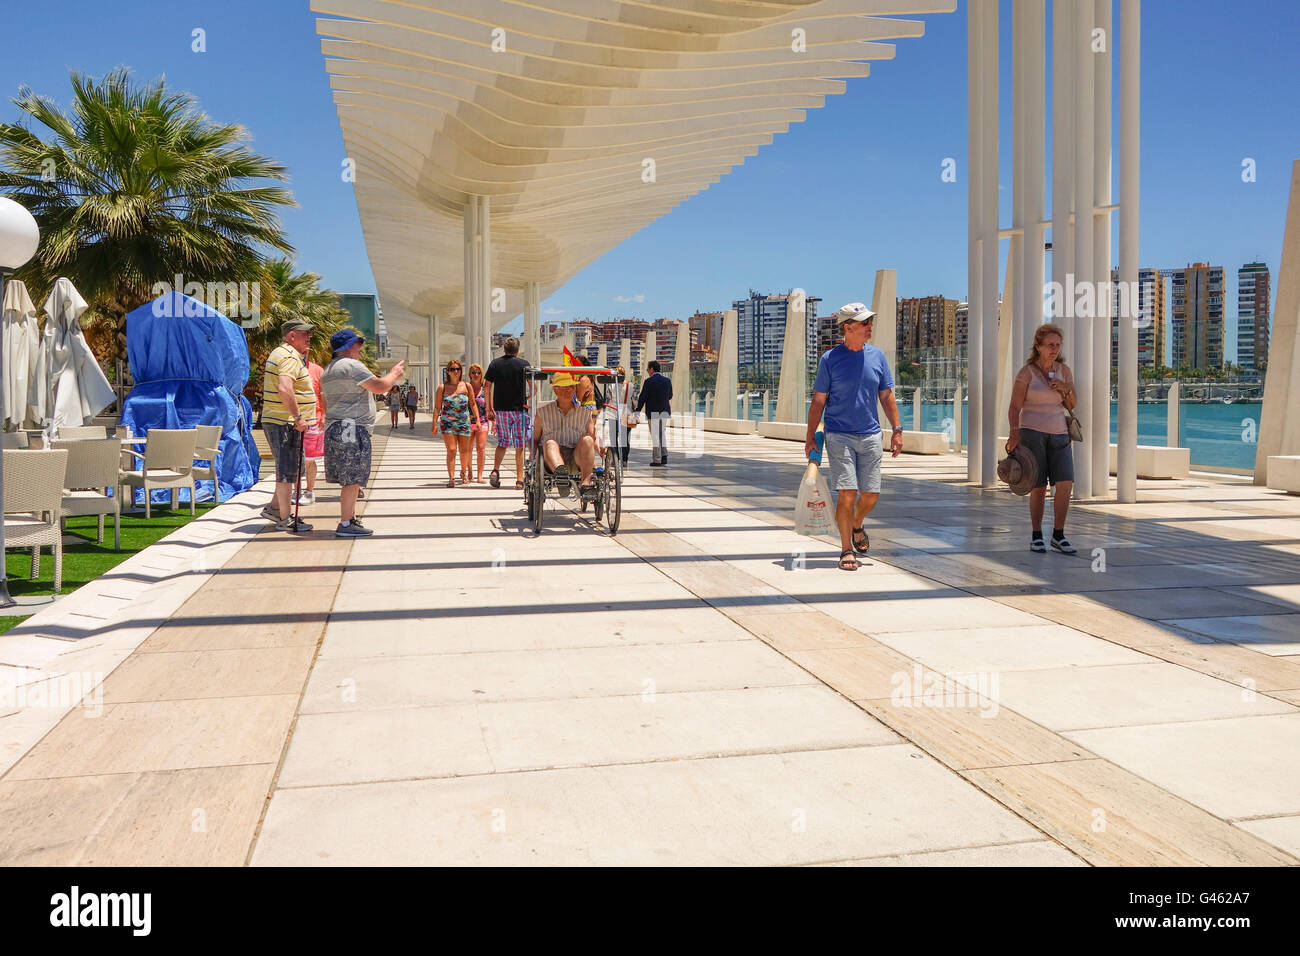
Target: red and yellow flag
<point>568,356</point>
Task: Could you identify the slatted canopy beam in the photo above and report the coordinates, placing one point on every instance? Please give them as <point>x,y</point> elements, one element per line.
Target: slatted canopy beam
<point>582,121</point>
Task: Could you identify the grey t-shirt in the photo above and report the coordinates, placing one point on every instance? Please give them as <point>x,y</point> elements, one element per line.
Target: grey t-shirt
<point>340,386</point>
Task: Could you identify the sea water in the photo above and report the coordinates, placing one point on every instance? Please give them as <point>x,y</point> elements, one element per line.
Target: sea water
<point>1219,435</point>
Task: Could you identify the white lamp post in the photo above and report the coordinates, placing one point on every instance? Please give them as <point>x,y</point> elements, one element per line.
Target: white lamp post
<point>18,240</point>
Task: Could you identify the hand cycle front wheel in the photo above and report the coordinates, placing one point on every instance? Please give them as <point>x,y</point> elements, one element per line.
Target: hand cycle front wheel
<point>613,503</point>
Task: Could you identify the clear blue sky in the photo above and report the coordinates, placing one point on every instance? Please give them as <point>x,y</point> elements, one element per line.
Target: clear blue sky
<point>854,188</point>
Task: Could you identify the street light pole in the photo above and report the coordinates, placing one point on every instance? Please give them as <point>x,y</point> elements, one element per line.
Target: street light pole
<point>19,238</point>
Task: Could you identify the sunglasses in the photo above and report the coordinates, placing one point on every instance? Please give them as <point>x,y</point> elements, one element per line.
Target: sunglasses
<point>476,374</point>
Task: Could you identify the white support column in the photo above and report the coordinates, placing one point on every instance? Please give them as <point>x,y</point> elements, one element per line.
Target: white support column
<point>471,274</point>
<point>434,360</point>
<point>1062,164</point>
<point>1081,361</point>
<point>728,351</point>
<point>884,327</point>
<point>1279,422</point>
<point>1007,364</point>
<point>1030,267</point>
<point>1101,341</point>
<point>989,247</point>
<point>1013,301</point>
<point>1129,146</point>
<point>485,281</point>
<point>975,128</point>
<point>792,386</point>
<point>532,323</point>
<point>648,353</point>
<point>918,410</point>
<point>956,420</point>
<point>1172,407</point>
<point>682,364</point>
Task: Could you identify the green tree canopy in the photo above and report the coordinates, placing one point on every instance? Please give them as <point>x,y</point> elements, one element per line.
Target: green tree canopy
<point>136,185</point>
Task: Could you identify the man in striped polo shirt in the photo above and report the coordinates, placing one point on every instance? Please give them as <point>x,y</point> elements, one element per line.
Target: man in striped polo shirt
<point>566,434</point>
<point>288,408</point>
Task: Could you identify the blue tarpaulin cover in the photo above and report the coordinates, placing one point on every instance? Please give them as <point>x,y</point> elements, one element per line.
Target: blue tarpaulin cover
<point>190,365</point>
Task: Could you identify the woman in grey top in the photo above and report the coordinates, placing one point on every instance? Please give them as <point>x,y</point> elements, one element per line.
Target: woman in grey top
<point>350,389</point>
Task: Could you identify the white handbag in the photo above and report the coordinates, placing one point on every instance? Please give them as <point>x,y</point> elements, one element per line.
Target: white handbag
<point>631,419</point>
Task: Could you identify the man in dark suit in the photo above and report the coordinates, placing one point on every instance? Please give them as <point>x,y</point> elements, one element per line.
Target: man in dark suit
<point>656,393</point>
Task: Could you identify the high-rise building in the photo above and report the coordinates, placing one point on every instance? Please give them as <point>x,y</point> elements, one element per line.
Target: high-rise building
<point>761,335</point>
<point>961,316</point>
<point>927,323</point>
<point>1252,315</point>
<point>1197,311</point>
<point>706,329</point>
<point>1151,313</point>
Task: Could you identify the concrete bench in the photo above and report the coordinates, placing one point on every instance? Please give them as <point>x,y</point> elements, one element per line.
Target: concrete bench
<point>786,431</point>
<point>1157,461</point>
<point>1284,473</point>
<point>918,443</point>
<point>915,443</point>
<point>731,426</point>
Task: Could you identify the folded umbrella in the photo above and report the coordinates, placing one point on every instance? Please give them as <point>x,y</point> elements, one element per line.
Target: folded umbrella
<point>21,338</point>
<point>69,387</point>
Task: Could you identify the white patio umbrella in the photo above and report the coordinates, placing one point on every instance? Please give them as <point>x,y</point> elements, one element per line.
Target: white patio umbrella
<point>21,345</point>
<point>69,387</point>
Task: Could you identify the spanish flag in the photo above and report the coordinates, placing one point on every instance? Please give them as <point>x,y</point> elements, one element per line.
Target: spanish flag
<point>568,356</point>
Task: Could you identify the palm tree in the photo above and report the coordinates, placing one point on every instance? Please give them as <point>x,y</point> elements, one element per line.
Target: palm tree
<point>133,187</point>
<point>289,295</point>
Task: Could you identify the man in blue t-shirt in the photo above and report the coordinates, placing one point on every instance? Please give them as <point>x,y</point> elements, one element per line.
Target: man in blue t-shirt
<point>851,377</point>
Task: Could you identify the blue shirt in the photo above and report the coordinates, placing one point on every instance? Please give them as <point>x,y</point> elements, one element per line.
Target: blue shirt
<point>853,382</point>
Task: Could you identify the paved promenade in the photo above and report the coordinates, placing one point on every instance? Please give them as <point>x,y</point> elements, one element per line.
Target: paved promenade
<point>705,688</point>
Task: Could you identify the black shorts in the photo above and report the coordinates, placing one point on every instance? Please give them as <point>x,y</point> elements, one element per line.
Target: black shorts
<point>1053,453</point>
<point>285,442</point>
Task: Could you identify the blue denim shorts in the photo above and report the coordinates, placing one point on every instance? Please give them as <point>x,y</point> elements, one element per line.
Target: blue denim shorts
<point>1054,455</point>
<point>854,461</point>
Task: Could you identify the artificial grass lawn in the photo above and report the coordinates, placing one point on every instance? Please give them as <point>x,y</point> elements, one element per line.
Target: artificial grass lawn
<point>84,562</point>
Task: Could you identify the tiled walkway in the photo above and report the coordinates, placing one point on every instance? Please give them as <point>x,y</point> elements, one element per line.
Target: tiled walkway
<point>704,688</point>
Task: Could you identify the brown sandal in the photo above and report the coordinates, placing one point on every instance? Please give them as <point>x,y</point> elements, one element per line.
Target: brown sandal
<point>849,556</point>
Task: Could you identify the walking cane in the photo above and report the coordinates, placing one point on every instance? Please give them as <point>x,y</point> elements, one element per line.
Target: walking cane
<point>297,490</point>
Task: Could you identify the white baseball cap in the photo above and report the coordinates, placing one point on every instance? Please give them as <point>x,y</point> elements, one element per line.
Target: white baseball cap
<point>855,312</point>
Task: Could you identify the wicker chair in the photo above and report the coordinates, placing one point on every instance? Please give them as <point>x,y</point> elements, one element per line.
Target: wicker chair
<point>167,462</point>
<point>73,432</point>
<point>33,498</point>
<point>15,440</point>
<point>92,471</point>
<point>206,448</point>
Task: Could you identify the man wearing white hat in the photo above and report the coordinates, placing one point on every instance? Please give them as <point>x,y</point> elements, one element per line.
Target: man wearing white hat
<point>851,377</point>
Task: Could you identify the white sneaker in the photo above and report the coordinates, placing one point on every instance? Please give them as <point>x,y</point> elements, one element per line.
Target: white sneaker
<point>307,498</point>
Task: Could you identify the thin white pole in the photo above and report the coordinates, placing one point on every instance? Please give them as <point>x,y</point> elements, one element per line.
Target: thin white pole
<point>1021,39</point>
<point>1031,267</point>
<point>485,281</point>
<point>989,273</point>
<point>1101,325</point>
<point>974,225</point>
<point>1083,241</point>
<point>471,273</point>
<point>1129,154</point>
<point>1063,162</point>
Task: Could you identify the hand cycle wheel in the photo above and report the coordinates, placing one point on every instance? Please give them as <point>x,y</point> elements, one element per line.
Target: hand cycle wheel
<point>539,500</point>
<point>613,505</point>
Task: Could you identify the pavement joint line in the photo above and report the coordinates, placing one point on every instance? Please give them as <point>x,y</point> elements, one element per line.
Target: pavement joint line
<point>1079,850</point>
<point>1181,663</point>
<point>738,754</point>
<point>379,449</point>
<point>936,852</point>
<point>508,701</point>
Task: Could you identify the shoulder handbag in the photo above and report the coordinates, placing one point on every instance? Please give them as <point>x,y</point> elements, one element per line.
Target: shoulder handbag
<point>1072,424</point>
<point>631,419</point>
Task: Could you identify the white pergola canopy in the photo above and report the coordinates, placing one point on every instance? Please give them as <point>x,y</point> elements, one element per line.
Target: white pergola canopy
<point>554,112</point>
